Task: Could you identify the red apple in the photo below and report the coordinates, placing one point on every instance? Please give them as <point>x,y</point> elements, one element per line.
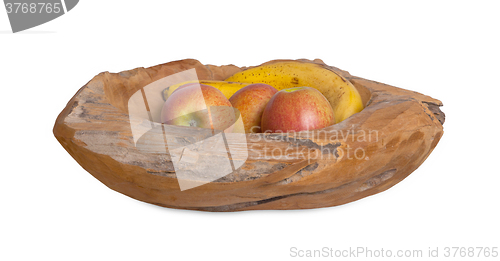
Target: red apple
<point>198,105</point>
<point>251,101</point>
<point>297,109</point>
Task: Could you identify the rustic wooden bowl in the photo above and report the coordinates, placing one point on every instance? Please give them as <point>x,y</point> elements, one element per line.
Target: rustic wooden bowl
<point>360,156</point>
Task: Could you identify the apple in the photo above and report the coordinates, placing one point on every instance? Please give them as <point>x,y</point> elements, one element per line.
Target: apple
<point>186,85</point>
<point>198,105</point>
<point>251,101</point>
<point>297,109</point>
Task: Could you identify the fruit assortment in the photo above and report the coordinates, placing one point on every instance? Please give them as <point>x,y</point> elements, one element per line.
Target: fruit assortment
<point>279,97</point>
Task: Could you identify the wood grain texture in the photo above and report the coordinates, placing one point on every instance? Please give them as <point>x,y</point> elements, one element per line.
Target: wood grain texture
<point>363,155</point>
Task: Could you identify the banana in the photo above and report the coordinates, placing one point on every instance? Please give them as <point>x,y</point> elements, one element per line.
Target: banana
<point>227,88</point>
<point>341,94</point>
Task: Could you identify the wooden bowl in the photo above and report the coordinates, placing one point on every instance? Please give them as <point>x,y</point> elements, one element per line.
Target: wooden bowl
<point>365,154</point>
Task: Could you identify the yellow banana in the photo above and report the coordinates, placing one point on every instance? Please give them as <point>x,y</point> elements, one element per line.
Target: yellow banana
<point>341,94</point>
<point>227,88</point>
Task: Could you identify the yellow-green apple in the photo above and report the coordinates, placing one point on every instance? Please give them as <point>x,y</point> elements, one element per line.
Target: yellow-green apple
<point>186,85</point>
<point>251,101</point>
<point>297,109</point>
<point>198,105</point>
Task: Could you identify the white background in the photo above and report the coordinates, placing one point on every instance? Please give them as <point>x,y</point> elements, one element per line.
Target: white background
<point>52,209</point>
